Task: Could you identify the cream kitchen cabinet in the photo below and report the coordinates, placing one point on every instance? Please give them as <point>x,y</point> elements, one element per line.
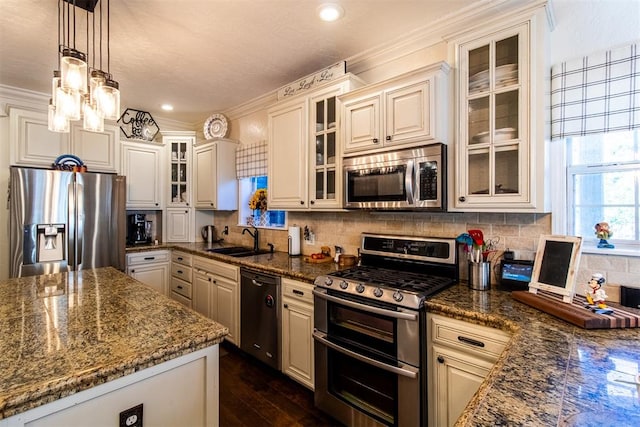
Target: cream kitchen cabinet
<point>407,110</point>
<point>150,267</point>
<point>215,180</point>
<point>179,224</point>
<point>503,133</point>
<point>181,277</point>
<point>142,163</point>
<point>216,294</point>
<point>32,144</point>
<point>297,331</point>
<point>305,165</point>
<point>460,356</point>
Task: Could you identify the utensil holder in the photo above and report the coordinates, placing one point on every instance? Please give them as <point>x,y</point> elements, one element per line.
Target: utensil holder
<point>480,276</point>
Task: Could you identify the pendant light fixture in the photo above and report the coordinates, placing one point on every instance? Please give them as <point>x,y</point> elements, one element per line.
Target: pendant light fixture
<point>77,89</point>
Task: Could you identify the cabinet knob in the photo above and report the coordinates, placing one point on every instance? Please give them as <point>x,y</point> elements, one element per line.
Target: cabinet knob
<point>375,140</point>
<point>133,271</point>
<point>211,204</point>
<point>187,205</point>
<point>286,306</point>
<point>157,204</point>
<point>462,199</point>
<point>388,138</point>
<point>440,359</point>
<point>186,211</point>
<point>311,202</point>
<point>302,202</point>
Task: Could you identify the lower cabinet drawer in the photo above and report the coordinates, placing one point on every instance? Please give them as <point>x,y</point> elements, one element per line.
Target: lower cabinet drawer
<point>181,287</point>
<point>148,257</point>
<point>182,300</point>
<point>297,290</point>
<point>181,271</point>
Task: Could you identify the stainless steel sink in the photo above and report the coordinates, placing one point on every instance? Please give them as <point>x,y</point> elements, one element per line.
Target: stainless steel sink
<point>237,251</point>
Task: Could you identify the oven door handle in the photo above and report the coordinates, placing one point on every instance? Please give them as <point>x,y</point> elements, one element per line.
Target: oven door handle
<point>369,308</point>
<point>322,338</point>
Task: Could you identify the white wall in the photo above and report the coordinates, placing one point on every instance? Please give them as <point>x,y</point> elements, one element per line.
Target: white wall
<point>587,26</point>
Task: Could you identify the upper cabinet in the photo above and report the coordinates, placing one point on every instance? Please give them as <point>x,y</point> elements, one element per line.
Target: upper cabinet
<point>500,156</point>
<point>407,110</point>
<point>215,182</point>
<point>179,146</point>
<point>304,165</point>
<point>32,144</point>
<point>142,164</point>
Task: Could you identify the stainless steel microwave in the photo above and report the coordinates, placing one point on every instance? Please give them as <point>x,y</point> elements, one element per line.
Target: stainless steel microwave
<point>410,179</point>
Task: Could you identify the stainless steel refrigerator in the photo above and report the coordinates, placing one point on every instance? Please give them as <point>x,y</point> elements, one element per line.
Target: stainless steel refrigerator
<point>65,221</point>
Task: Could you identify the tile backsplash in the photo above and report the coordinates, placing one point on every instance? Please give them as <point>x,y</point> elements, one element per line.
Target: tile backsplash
<point>516,232</point>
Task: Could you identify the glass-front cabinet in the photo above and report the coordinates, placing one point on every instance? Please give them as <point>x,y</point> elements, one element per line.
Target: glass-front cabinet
<point>323,161</point>
<point>501,134</point>
<point>180,147</point>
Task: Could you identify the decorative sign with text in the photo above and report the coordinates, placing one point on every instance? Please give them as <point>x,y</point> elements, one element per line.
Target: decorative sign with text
<point>136,124</point>
<point>313,80</point>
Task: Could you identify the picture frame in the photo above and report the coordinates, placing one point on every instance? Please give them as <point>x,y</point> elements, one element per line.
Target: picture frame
<point>555,265</point>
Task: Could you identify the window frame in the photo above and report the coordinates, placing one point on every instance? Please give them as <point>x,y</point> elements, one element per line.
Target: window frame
<point>245,187</point>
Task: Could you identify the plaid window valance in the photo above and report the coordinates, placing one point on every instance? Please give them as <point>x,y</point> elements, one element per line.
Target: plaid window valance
<point>251,160</point>
<point>596,94</point>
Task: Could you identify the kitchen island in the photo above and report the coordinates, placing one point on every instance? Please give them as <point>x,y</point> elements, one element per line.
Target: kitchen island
<point>96,342</point>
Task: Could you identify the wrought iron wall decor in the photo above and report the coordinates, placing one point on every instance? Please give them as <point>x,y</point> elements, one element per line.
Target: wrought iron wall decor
<point>136,124</point>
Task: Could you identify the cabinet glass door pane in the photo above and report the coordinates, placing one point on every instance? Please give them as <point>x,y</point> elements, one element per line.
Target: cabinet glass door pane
<point>331,184</point>
<point>506,126</point>
<point>320,157</point>
<point>331,148</point>
<point>479,70</point>
<point>506,178</point>
<point>478,171</point>
<point>479,120</point>
<point>506,72</point>
<point>320,184</point>
<point>331,112</point>
<point>174,172</point>
<point>320,116</point>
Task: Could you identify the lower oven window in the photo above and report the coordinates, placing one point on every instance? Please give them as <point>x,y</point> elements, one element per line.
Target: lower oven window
<point>368,330</point>
<point>365,387</point>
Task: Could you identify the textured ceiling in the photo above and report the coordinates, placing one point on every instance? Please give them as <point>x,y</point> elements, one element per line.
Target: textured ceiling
<point>205,56</point>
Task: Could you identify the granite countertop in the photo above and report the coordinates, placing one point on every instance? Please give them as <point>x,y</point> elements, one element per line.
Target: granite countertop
<point>551,373</point>
<point>67,332</point>
<point>276,262</point>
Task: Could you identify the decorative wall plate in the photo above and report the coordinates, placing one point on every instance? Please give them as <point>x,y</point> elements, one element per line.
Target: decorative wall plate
<point>215,126</point>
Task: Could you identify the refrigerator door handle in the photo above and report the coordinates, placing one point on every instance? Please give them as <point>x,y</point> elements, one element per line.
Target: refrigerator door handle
<point>80,223</point>
<point>71,227</point>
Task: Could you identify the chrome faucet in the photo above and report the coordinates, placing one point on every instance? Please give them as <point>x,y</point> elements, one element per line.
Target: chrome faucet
<point>254,235</point>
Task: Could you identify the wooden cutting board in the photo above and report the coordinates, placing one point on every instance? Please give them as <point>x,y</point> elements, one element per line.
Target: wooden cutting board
<point>576,313</point>
<point>318,261</point>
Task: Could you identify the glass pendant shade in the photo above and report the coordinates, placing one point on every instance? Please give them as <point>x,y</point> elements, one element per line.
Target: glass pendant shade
<point>92,118</point>
<point>97,79</point>
<point>55,84</point>
<point>69,103</point>
<point>108,99</point>
<point>73,70</point>
<point>57,121</point>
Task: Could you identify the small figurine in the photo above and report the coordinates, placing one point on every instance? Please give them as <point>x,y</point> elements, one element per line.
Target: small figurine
<point>595,294</point>
<point>603,233</point>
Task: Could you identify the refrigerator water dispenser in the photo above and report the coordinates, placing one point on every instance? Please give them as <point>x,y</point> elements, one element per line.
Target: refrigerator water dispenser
<point>50,242</point>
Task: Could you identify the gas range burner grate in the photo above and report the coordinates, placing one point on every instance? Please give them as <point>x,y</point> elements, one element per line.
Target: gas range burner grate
<point>423,284</point>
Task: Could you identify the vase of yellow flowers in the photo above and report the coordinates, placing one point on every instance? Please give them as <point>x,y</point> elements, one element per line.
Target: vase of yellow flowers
<point>258,203</point>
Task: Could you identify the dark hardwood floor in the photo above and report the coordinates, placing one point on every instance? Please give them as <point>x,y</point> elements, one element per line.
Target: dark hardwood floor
<point>253,394</point>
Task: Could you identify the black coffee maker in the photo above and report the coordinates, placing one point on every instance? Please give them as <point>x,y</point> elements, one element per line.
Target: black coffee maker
<point>137,232</point>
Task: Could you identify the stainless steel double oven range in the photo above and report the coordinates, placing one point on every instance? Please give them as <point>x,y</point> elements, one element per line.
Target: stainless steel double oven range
<point>370,330</point>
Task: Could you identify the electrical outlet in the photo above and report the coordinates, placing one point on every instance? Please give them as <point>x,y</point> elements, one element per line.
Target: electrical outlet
<point>131,417</point>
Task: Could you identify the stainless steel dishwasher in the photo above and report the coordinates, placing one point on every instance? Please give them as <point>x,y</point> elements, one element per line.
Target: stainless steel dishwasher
<point>260,316</point>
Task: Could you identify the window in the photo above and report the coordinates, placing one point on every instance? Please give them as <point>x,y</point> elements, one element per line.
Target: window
<point>603,184</point>
<point>248,216</point>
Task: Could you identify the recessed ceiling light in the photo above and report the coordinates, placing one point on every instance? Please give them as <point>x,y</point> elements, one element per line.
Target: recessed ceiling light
<point>330,12</point>
<point>167,107</point>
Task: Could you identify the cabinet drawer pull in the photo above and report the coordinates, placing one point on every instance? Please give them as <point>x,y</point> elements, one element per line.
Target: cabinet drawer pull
<point>470,341</point>
<point>180,258</point>
<point>297,292</point>
<point>180,272</point>
<point>149,258</point>
<point>179,286</point>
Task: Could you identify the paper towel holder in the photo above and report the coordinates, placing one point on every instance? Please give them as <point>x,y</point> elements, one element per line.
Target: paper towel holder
<point>294,242</point>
